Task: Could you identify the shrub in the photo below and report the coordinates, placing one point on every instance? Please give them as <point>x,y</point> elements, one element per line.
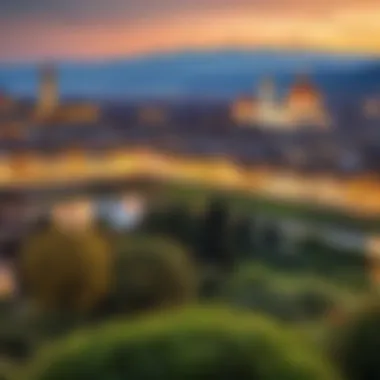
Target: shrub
<point>16,340</point>
<point>153,272</point>
<point>243,240</point>
<point>356,346</point>
<point>271,241</point>
<point>315,302</point>
<point>174,221</point>
<point>290,298</point>
<point>197,344</point>
<point>5,370</point>
<point>331,261</point>
<point>255,292</point>
<point>15,345</point>
<point>66,271</point>
<point>211,282</point>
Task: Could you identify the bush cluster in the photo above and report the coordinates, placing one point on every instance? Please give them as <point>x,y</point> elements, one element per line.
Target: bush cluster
<point>192,344</point>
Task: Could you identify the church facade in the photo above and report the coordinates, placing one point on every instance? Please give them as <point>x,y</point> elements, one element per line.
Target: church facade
<point>302,106</point>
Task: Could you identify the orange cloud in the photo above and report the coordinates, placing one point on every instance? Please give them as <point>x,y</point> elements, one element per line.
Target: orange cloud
<point>335,25</point>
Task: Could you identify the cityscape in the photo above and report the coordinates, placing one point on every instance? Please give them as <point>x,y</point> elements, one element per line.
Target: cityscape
<point>189,190</point>
<point>299,145</point>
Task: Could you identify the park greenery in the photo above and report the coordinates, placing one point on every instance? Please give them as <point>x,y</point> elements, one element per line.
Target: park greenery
<point>207,343</point>
<point>199,290</point>
<point>66,271</point>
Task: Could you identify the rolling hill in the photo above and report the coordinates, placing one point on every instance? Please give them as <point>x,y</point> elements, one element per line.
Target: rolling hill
<point>196,74</point>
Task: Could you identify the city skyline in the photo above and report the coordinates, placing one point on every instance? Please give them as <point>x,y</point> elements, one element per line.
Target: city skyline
<point>89,29</point>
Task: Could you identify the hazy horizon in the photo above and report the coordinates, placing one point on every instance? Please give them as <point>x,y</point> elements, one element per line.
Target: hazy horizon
<point>192,74</point>
<point>274,51</point>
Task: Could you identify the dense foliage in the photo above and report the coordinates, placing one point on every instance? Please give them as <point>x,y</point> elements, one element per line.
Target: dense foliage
<point>193,344</point>
<point>215,236</point>
<point>356,346</point>
<point>67,271</point>
<point>152,273</point>
<point>289,298</point>
<point>182,253</point>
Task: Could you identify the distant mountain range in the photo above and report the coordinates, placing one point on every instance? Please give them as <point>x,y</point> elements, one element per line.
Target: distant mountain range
<point>200,74</point>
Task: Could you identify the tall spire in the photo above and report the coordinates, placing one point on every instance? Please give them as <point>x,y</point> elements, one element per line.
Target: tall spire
<point>267,91</point>
<point>48,97</point>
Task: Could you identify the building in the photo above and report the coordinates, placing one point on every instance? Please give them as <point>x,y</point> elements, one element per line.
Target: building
<point>122,214</point>
<point>12,118</point>
<point>8,283</point>
<point>50,110</point>
<point>76,113</point>
<point>12,129</point>
<point>243,110</point>
<point>270,112</point>
<point>152,115</point>
<point>303,106</point>
<point>7,103</point>
<point>48,100</point>
<point>371,108</point>
<point>73,215</point>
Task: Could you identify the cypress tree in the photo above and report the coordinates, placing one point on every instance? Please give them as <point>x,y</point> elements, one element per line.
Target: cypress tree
<point>243,241</point>
<point>215,236</point>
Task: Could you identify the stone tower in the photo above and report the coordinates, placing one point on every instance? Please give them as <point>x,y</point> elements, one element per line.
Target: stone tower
<point>267,92</point>
<point>48,96</point>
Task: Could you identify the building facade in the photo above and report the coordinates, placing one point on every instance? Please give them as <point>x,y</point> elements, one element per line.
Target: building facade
<point>303,106</point>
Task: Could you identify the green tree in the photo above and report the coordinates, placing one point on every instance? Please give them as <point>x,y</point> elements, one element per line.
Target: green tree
<point>68,272</point>
<point>343,265</point>
<point>153,221</point>
<point>271,241</point>
<point>215,236</point>
<point>356,346</point>
<point>284,296</point>
<point>315,303</point>
<point>317,255</point>
<point>174,221</point>
<point>179,224</point>
<point>258,288</point>
<point>243,241</point>
<point>200,344</point>
<point>5,371</point>
<point>151,273</point>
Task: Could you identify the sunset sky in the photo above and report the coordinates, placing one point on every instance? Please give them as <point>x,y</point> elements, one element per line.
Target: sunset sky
<point>81,29</point>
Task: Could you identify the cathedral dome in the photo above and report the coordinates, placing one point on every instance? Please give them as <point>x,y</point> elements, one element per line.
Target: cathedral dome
<point>305,103</point>
<point>304,90</point>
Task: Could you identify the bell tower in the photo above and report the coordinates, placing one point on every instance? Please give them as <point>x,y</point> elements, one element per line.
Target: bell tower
<point>48,93</point>
<point>267,92</point>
